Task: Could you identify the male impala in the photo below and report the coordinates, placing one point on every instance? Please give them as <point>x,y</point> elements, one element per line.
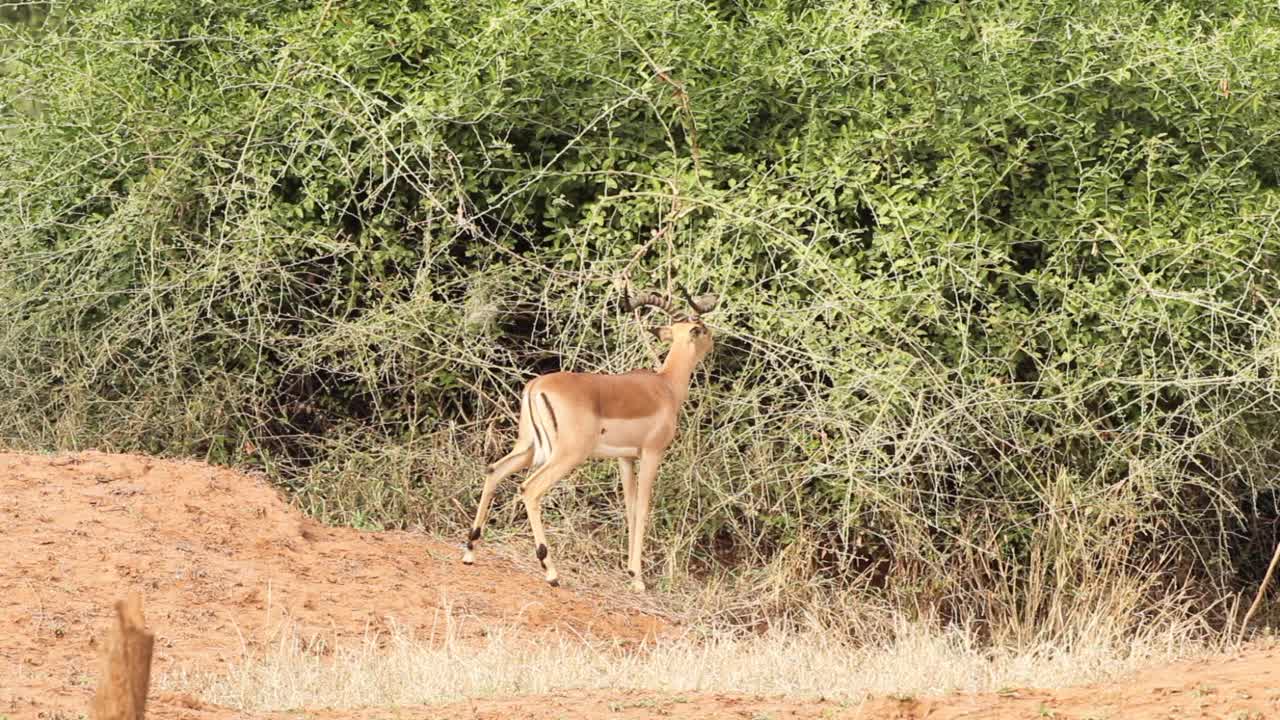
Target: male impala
<point>567,417</point>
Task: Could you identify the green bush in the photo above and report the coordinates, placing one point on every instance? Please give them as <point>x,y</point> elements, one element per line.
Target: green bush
<point>998,277</point>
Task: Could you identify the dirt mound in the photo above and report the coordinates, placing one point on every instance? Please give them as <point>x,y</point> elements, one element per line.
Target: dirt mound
<point>223,562</point>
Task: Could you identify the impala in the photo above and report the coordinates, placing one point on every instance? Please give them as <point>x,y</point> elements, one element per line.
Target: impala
<point>567,417</point>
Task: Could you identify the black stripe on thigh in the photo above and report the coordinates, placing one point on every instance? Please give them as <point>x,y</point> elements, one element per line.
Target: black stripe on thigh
<point>551,411</point>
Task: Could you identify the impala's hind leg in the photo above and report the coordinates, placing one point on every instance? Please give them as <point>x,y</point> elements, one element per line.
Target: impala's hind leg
<point>519,459</point>
<point>535,487</point>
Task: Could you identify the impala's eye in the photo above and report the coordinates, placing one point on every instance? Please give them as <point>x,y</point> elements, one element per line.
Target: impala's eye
<point>697,331</point>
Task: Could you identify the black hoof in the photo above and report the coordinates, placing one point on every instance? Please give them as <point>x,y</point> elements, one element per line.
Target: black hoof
<point>554,583</point>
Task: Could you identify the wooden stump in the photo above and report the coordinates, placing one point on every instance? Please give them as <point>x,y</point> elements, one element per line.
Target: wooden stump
<point>126,666</point>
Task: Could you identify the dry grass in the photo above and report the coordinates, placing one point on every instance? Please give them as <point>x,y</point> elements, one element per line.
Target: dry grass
<point>908,659</point>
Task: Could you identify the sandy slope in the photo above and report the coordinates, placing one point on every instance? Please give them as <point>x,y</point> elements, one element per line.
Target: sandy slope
<point>223,562</point>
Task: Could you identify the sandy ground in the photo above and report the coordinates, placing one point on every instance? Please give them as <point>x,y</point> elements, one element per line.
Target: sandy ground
<point>222,563</point>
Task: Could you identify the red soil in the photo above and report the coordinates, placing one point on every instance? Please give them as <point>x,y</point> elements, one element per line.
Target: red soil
<point>223,562</point>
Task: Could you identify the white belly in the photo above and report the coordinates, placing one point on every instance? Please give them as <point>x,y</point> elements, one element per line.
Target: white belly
<point>623,438</point>
<point>602,450</point>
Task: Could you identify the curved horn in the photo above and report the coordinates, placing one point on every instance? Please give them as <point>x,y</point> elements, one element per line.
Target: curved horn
<point>649,297</point>
<point>702,303</point>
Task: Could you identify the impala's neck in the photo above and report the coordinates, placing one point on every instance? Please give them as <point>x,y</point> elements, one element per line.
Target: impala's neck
<point>678,369</point>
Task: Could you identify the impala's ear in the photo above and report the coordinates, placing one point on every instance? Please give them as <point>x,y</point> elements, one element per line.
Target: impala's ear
<point>662,333</point>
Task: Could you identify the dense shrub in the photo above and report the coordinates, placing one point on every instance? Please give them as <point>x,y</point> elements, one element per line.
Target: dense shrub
<point>998,277</point>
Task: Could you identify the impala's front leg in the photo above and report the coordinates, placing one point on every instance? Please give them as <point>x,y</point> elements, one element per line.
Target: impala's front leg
<point>648,473</point>
<point>627,468</point>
